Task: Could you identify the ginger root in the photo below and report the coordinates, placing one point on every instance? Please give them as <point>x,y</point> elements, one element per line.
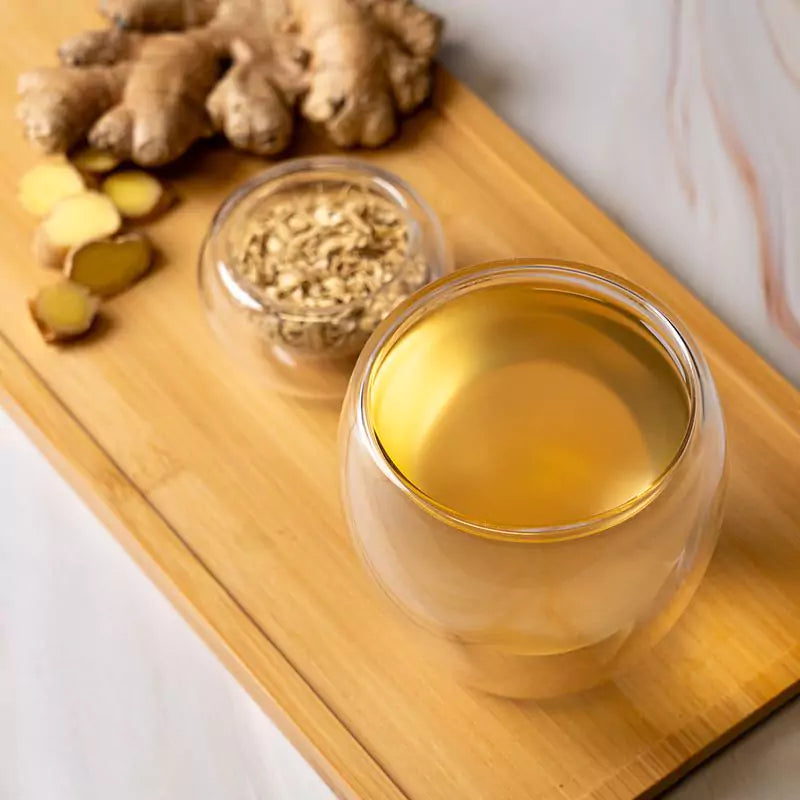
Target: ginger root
<point>41,187</point>
<point>169,72</point>
<point>63,311</point>
<point>73,221</point>
<point>93,161</point>
<point>136,194</point>
<point>109,266</point>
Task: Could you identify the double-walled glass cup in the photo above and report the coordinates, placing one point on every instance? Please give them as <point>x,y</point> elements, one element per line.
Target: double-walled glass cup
<point>546,604</point>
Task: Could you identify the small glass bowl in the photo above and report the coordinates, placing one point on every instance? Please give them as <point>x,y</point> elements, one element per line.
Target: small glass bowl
<point>309,352</point>
<point>539,608</point>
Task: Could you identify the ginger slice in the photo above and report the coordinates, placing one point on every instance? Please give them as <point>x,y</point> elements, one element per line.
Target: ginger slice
<point>42,186</point>
<point>94,161</point>
<point>137,194</point>
<point>73,221</point>
<point>63,311</point>
<point>109,266</point>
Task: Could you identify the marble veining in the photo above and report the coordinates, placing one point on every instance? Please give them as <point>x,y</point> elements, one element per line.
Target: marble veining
<point>680,119</point>
<point>755,127</point>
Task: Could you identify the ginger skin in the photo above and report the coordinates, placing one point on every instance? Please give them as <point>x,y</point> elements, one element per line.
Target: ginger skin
<point>169,72</point>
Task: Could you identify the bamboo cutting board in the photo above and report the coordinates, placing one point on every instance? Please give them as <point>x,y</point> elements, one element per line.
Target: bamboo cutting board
<point>226,494</point>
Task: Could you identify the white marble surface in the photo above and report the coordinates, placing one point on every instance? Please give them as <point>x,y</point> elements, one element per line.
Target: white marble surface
<point>105,692</point>
<point>681,119</point>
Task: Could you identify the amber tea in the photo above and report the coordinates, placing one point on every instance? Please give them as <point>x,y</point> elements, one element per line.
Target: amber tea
<point>524,407</point>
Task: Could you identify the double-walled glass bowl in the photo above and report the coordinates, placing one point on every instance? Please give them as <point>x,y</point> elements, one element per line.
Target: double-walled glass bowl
<point>546,562</point>
<point>303,351</point>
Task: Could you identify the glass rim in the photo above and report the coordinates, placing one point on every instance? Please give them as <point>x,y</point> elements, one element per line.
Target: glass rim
<point>681,347</point>
<point>401,193</point>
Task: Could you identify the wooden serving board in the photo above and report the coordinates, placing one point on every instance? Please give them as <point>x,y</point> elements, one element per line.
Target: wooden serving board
<point>226,494</point>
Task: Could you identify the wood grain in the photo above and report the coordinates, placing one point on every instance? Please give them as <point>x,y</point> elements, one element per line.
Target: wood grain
<point>227,495</point>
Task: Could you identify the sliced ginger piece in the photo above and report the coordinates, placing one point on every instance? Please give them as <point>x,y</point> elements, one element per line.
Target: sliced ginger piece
<point>109,266</point>
<point>94,161</point>
<point>137,194</point>
<point>42,186</point>
<point>73,221</point>
<point>63,311</point>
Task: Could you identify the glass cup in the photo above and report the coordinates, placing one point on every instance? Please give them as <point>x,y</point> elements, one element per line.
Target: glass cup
<point>544,603</point>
